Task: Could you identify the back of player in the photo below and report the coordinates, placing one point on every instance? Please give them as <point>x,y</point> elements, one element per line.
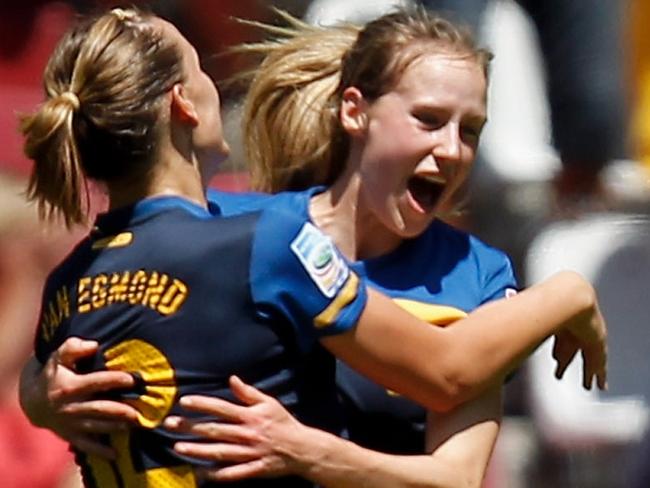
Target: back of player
<point>181,300</point>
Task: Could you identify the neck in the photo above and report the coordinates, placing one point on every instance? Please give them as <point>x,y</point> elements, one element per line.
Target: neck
<point>342,213</point>
<point>168,177</point>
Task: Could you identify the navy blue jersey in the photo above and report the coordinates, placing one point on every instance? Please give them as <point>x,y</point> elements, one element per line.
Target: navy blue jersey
<point>183,300</point>
<point>438,276</point>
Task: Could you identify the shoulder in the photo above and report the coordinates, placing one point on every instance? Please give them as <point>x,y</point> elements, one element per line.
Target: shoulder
<point>283,237</point>
<point>450,236</point>
<point>469,256</point>
<point>279,225</point>
<point>227,204</point>
<point>234,203</point>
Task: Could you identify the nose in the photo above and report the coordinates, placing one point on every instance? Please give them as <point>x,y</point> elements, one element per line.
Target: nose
<point>448,145</point>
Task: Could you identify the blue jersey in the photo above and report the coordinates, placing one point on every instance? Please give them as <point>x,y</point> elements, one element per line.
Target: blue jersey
<point>438,276</point>
<point>183,300</point>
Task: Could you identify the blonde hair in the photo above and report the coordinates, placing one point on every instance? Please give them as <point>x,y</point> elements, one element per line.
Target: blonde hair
<point>292,134</point>
<point>103,84</point>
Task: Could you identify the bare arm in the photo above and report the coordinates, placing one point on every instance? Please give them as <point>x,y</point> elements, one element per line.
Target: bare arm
<point>267,441</point>
<point>430,365</point>
<point>462,440</point>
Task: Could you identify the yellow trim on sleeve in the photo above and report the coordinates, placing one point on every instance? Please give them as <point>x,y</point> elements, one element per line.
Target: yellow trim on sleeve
<point>344,297</point>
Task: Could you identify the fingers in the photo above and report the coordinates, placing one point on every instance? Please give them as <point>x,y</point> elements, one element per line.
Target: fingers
<point>246,393</point>
<point>213,431</point>
<point>233,473</point>
<point>106,411</point>
<point>64,386</point>
<point>86,385</point>
<point>601,371</point>
<point>213,406</point>
<point>595,359</point>
<point>74,349</point>
<point>565,348</point>
<point>94,426</point>
<point>216,452</point>
<point>601,376</point>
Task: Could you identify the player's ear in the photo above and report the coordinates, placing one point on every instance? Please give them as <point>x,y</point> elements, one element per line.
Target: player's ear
<point>353,114</point>
<point>182,108</point>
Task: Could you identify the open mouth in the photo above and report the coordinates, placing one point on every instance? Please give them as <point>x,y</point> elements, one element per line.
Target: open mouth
<point>426,191</point>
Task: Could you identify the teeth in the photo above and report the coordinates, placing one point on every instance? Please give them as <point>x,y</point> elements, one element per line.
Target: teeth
<point>437,179</point>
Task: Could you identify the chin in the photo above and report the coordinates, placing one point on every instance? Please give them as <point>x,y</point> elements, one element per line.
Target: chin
<point>213,162</point>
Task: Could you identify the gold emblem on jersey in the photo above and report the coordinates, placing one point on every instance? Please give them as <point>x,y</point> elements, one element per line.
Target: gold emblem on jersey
<point>118,240</point>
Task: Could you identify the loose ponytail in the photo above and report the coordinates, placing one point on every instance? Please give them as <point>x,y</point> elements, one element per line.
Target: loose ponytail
<point>56,183</point>
<point>103,85</point>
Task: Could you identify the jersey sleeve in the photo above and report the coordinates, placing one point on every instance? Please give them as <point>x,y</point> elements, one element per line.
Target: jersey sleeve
<point>499,281</point>
<point>298,275</point>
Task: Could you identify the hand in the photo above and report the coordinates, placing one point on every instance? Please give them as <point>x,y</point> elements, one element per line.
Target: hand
<point>262,437</point>
<point>587,334</point>
<point>59,399</point>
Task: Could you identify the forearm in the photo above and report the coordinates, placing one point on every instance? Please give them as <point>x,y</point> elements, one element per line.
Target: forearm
<point>465,437</point>
<point>337,463</point>
<point>499,335</point>
<point>430,365</point>
<point>274,443</point>
<point>29,392</point>
<point>460,443</point>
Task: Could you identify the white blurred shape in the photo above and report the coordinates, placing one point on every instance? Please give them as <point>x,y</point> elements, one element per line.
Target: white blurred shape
<point>613,252</point>
<point>516,142</point>
<point>327,12</point>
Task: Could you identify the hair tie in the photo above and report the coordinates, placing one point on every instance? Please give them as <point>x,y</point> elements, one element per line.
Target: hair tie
<point>122,14</point>
<point>72,99</point>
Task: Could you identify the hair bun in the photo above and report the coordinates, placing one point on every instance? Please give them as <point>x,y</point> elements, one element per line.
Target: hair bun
<point>70,98</point>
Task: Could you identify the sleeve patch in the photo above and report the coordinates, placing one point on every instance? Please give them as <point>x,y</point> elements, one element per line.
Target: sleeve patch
<point>331,313</point>
<point>320,258</point>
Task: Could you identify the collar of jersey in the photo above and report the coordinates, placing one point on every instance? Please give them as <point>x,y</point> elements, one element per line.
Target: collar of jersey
<point>147,208</point>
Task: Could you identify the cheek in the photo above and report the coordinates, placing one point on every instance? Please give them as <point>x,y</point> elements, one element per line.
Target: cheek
<point>461,176</point>
<point>465,169</point>
<point>381,176</point>
<point>466,162</point>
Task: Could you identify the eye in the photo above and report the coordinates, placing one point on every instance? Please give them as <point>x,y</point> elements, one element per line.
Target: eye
<point>471,133</point>
<point>429,120</point>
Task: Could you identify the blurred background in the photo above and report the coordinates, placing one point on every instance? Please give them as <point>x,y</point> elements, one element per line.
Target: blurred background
<point>562,181</point>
